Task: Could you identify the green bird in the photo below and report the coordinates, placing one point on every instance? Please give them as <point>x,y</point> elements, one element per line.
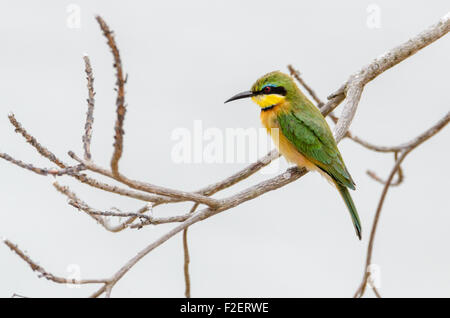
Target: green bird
<point>300,132</point>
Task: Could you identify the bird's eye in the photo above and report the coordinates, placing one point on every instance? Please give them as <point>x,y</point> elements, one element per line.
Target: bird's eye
<point>267,89</point>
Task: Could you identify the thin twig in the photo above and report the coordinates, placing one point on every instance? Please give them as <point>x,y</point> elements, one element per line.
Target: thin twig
<point>42,171</point>
<point>119,214</point>
<point>47,275</point>
<point>397,182</point>
<point>90,112</point>
<point>187,259</point>
<point>33,142</point>
<point>296,74</point>
<point>120,100</point>
<point>97,214</point>
<point>117,190</point>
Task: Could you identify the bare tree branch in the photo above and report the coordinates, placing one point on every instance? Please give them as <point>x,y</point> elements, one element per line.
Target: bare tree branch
<point>90,112</point>
<point>42,171</point>
<point>47,275</point>
<point>356,83</point>
<point>413,144</point>
<point>32,141</point>
<point>296,74</point>
<point>187,259</point>
<point>147,187</point>
<point>81,205</point>
<point>97,214</point>
<point>120,100</point>
<point>72,172</point>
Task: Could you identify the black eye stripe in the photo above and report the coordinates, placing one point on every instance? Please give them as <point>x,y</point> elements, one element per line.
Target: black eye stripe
<point>278,90</point>
<point>273,90</point>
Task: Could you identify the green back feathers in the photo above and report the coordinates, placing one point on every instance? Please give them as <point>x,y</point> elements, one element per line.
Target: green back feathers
<point>305,127</point>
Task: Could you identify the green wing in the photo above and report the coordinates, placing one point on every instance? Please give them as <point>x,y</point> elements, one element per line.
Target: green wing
<point>308,131</point>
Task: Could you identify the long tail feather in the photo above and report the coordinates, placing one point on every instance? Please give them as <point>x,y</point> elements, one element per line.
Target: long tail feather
<point>351,208</point>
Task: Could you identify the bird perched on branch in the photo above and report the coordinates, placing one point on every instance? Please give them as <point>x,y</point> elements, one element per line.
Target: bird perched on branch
<point>301,133</point>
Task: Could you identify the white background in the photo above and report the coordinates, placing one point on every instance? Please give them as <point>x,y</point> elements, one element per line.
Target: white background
<point>184,58</point>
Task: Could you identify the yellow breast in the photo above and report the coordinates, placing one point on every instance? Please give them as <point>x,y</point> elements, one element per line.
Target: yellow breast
<point>284,146</point>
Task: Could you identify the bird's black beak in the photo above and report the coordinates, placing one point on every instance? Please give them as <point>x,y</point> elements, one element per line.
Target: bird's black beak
<point>241,95</point>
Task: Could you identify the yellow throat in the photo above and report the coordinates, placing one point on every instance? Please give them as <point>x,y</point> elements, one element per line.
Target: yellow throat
<point>264,101</point>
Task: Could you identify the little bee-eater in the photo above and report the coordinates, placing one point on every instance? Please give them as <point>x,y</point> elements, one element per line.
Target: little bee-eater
<point>303,135</point>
